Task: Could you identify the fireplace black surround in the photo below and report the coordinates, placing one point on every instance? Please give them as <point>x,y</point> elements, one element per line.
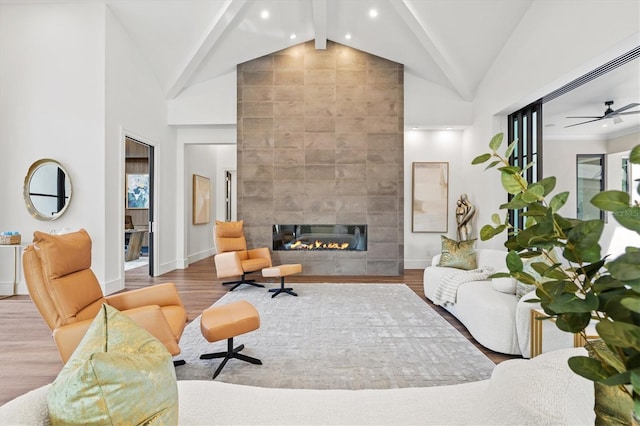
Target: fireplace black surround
<point>320,237</point>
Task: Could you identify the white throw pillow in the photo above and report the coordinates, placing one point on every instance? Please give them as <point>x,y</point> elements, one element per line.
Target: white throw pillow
<point>504,285</point>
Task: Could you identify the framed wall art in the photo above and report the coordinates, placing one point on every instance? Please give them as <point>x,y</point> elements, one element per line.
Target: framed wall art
<point>429,205</point>
<point>201,199</point>
<point>137,191</point>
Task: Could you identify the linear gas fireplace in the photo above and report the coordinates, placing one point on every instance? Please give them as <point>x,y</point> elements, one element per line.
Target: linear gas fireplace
<point>320,237</point>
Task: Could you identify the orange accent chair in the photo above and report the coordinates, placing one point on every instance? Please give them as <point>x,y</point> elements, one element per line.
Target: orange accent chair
<point>233,259</point>
<point>57,269</point>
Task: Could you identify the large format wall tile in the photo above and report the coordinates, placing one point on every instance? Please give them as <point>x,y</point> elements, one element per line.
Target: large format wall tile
<point>320,141</point>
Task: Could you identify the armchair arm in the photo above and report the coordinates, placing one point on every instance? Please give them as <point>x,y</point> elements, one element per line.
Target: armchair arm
<point>160,294</point>
<point>228,264</point>
<point>260,253</point>
<point>68,337</point>
<point>148,317</point>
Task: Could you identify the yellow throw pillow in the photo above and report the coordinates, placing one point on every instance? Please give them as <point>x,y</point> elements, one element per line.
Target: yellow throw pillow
<point>458,254</point>
<point>119,374</point>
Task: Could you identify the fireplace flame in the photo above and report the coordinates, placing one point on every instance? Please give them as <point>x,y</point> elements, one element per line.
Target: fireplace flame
<point>318,245</point>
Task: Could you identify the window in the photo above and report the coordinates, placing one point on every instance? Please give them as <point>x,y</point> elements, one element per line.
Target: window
<point>525,126</point>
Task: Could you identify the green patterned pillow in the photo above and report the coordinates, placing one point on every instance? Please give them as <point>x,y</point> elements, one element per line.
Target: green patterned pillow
<point>118,374</point>
<point>458,254</point>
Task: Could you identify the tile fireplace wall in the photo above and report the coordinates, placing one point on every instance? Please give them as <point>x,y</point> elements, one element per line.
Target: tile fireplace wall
<point>320,140</point>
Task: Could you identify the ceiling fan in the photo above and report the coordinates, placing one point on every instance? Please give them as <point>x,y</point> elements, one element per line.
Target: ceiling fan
<point>609,113</point>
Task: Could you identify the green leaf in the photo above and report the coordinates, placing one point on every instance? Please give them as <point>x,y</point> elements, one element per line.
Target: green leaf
<point>487,232</point>
<point>611,200</point>
<point>492,164</point>
<point>621,334</point>
<point>510,182</point>
<point>606,283</point>
<point>549,184</point>
<point>496,141</point>
<point>591,269</point>
<point>514,263</point>
<point>524,278</point>
<point>586,233</point>
<point>515,203</point>
<point>625,267</point>
<point>534,193</point>
<point>634,156</point>
<point>481,158</point>
<point>558,201</point>
<point>589,368</point>
<point>631,303</point>
<point>571,303</point>
<point>495,218</point>
<point>500,275</point>
<point>573,322</point>
<point>629,218</point>
<point>510,149</point>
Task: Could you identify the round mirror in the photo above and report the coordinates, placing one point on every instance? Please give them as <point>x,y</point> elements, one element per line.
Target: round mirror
<point>47,189</point>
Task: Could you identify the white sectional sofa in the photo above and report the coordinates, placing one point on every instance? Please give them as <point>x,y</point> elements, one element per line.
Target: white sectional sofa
<point>498,320</point>
<point>540,391</point>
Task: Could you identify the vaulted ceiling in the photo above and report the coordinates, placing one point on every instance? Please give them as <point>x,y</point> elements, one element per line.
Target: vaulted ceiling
<point>449,43</point>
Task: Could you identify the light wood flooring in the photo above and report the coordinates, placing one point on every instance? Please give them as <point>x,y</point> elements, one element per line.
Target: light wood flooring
<point>29,358</point>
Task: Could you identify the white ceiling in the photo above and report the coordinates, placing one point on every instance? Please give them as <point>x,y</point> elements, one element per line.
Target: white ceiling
<point>450,43</point>
<point>621,85</point>
<point>191,41</point>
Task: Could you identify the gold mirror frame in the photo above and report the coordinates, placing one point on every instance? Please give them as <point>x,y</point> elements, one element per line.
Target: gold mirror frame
<point>29,195</point>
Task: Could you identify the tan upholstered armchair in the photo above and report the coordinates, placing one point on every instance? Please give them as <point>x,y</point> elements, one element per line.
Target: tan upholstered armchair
<point>233,259</point>
<point>57,269</point>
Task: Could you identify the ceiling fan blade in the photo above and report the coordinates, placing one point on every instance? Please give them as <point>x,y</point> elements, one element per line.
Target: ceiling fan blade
<point>584,122</point>
<point>598,116</point>
<point>629,113</point>
<point>624,108</point>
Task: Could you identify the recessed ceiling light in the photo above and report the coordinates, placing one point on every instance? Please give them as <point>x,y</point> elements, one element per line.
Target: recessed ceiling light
<point>373,13</point>
<point>604,125</point>
<point>347,36</point>
<point>264,14</point>
<point>292,36</point>
<point>449,128</point>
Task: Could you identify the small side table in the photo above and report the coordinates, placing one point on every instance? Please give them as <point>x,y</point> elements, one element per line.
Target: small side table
<point>17,248</point>
<point>536,333</point>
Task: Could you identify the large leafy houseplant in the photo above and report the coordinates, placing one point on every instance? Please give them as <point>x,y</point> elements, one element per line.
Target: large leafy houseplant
<point>585,285</point>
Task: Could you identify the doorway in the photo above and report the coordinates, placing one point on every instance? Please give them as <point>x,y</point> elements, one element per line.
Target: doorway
<point>138,208</point>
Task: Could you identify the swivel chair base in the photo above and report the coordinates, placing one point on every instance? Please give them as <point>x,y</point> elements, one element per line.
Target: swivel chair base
<point>241,281</point>
<point>230,353</point>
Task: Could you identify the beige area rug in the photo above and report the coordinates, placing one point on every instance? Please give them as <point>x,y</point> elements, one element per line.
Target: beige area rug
<point>340,336</point>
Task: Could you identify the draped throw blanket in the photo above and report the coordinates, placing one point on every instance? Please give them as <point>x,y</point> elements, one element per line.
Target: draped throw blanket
<point>447,290</point>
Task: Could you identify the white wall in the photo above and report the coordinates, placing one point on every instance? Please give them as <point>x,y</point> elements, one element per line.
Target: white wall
<point>200,160</point>
<point>135,106</point>
<point>427,104</point>
<point>555,43</point>
<point>52,105</point>
<point>227,161</point>
<point>210,102</point>
<point>431,146</point>
<point>616,237</point>
<point>560,161</point>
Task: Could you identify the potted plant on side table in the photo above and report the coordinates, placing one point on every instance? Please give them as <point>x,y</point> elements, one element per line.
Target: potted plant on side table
<point>575,283</point>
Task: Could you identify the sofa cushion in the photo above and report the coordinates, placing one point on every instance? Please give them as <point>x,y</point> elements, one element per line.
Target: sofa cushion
<point>520,391</point>
<point>458,254</point>
<point>118,374</point>
<point>504,285</point>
